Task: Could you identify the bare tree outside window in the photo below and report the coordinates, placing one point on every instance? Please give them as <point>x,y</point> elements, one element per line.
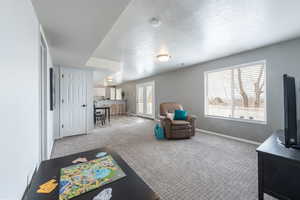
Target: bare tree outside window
<point>242,91</point>
<point>258,87</point>
<point>237,92</point>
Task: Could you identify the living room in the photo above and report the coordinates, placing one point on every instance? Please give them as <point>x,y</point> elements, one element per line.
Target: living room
<point>138,99</point>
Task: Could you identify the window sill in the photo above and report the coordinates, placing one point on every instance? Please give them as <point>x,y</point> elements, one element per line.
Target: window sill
<point>237,120</point>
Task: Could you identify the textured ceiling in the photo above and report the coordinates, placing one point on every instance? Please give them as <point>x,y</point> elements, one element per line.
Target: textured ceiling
<point>195,31</point>
<point>191,31</point>
<point>74,28</point>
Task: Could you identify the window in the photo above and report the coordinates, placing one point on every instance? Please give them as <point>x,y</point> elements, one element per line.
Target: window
<point>149,99</point>
<point>112,93</point>
<point>237,92</point>
<point>145,99</point>
<point>119,94</point>
<point>140,100</point>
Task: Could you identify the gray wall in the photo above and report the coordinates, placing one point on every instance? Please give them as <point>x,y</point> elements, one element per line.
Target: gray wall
<point>186,86</point>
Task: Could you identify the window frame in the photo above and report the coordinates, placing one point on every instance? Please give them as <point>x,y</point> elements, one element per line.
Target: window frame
<point>264,62</point>
<point>144,85</point>
<point>116,92</point>
<point>112,97</point>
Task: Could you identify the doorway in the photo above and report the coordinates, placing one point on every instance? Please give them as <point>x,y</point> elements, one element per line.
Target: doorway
<point>43,100</point>
<point>73,102</point>
<point>145,99</point>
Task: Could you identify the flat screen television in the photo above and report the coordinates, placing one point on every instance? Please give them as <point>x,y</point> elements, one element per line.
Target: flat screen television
<point>290,112</point>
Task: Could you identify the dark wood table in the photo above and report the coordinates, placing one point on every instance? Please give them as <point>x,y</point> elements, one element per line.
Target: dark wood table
<point>106,110</point>
<point>131,187</point>
<point>278,169</point>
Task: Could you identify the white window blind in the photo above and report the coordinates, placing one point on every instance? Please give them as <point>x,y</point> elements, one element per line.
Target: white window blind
<point>149,99</point>
<point>237,92</point>
<point>112,93</point>
<point>140,100</point>
<point>145,99</point>
<point>119,94</point>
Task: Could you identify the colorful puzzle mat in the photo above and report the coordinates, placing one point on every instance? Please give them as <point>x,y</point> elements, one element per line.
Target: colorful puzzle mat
<point>81,178</point>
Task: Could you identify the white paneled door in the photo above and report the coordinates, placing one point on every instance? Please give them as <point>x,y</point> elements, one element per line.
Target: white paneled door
<point>73,102</point>
<point>145,99</point>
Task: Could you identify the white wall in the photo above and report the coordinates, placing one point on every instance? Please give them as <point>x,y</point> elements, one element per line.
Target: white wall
<point>19,86</point>
<point>99,91</point>
<point>50,114</point>
<point>56,120</point>
<point>186,86</point>
<point>90,100</point>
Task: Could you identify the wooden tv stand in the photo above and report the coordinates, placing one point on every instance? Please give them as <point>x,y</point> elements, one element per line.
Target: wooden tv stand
<point>278,170</point>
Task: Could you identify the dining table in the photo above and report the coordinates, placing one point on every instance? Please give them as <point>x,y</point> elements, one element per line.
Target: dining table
<point>106,109</point>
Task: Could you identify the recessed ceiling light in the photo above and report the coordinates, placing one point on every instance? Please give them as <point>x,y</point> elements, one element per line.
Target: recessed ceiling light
<point>155,22</point>
<point>163,57</point>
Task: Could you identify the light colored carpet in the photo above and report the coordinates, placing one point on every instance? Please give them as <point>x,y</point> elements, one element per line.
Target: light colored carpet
<point>205,167</point>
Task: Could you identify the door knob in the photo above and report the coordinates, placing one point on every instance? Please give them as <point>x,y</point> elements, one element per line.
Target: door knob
<point>83,105</point>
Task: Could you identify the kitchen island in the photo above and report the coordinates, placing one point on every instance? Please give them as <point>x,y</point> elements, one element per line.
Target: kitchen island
<point>117,107</point>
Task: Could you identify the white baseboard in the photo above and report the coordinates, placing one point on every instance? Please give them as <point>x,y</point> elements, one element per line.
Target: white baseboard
<point>228,137</point>
<point>218,134</point>
<point>132,114</point>
<point>142,116</point>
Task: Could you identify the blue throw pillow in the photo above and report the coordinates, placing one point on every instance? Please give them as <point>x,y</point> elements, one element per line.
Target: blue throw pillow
<point>180,115</point>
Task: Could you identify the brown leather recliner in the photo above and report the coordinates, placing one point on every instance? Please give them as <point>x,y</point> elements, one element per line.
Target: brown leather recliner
<point>176,129</point>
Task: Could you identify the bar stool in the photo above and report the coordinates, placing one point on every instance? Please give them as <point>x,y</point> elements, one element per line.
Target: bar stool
<point>99,117</point>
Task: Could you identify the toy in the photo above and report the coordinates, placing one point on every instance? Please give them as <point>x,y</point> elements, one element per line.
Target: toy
<point>47,187</point>
<point>104,195</point>
<point>78,179</point>
<point>101,154</point>
<point>79,160</point>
